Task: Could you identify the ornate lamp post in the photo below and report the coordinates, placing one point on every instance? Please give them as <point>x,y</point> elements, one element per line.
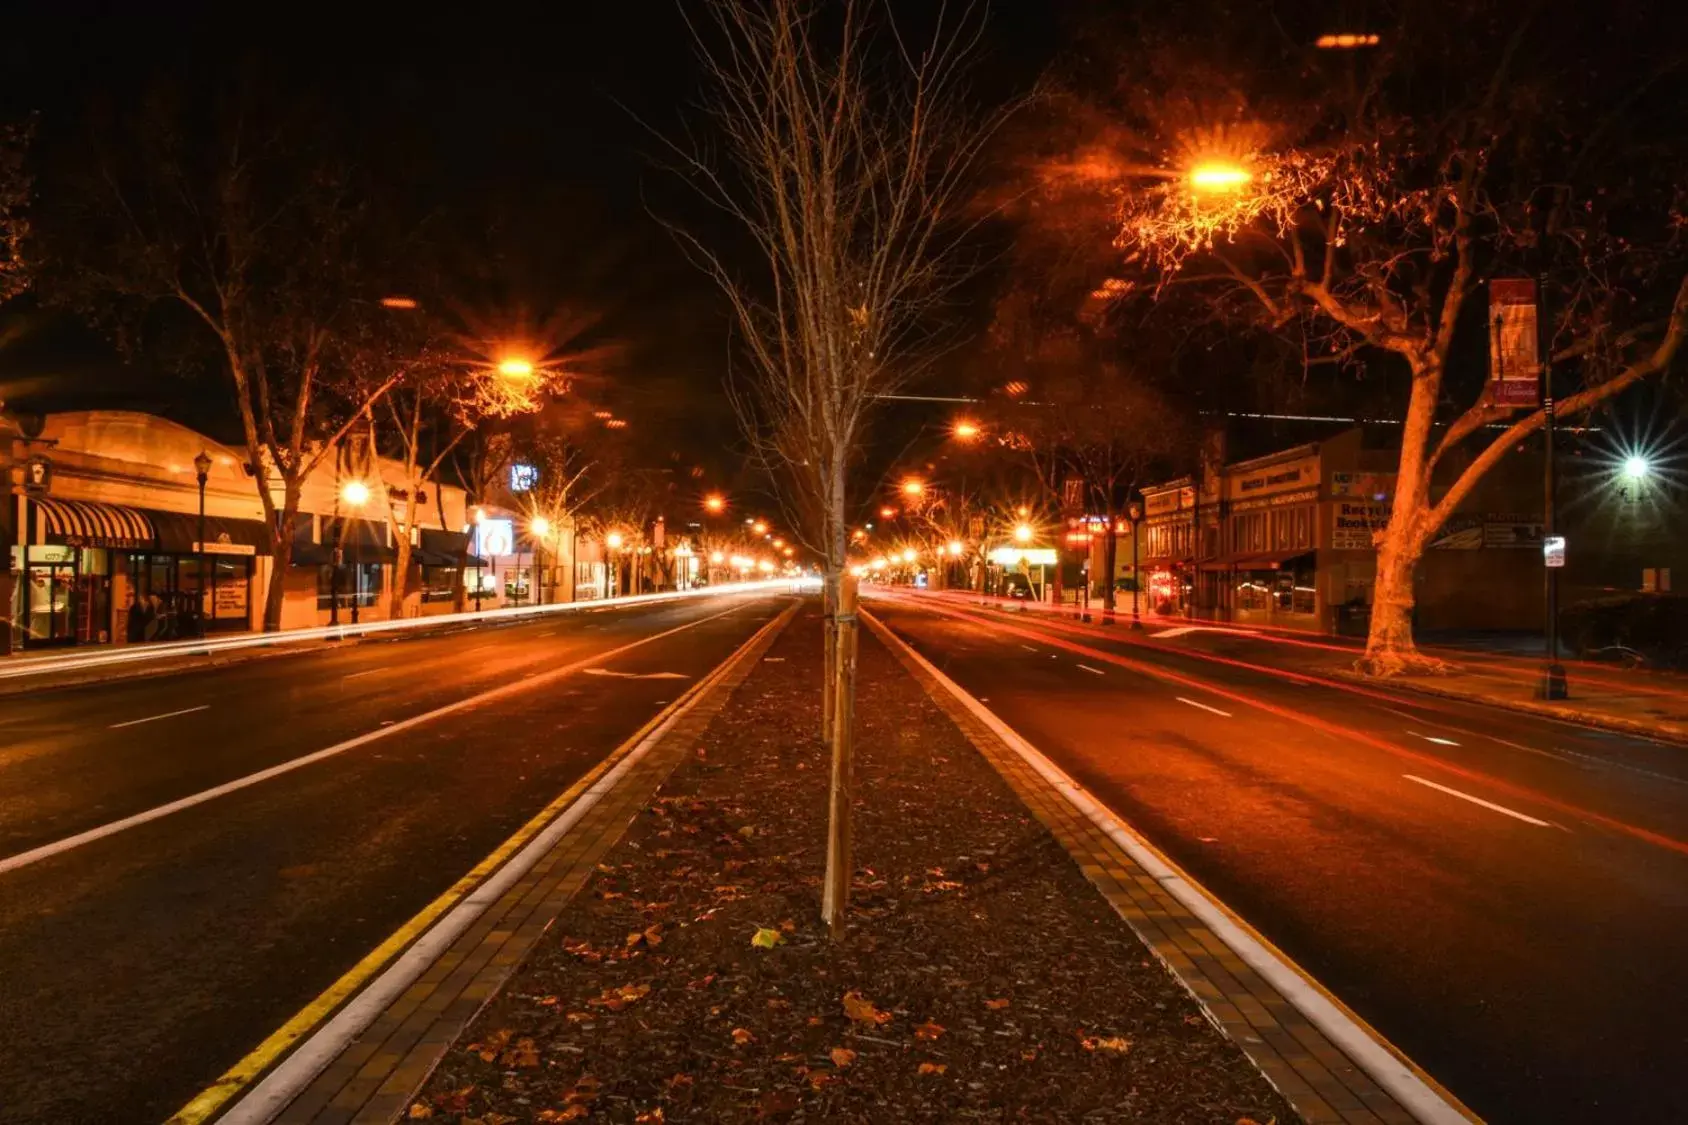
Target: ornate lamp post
<point>202,472</point>
<point>1135,511</point>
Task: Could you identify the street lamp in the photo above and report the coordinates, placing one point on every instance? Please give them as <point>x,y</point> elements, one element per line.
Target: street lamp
<point>355,493</point>
<point>715,503</point>
<point>965,430</point>
<point>480,518</point>
<point>613,542</point>
<point>759,527</point>
<point>1023,533</point>
<point>914,486</point>
<point>1135,511</point>
<point>1635,468</point>
<point>515,367</point>
<point>202,472</point>
<point>1219,177</point>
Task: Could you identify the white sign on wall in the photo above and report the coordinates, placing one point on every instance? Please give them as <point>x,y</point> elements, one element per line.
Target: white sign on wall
<point>495,537</point>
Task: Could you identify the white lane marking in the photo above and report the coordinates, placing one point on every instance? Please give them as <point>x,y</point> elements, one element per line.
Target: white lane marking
<point>1478,801</point>
<point>548,633</point>
<point>261,1103</point>
<point>112,828</point>
<point>1088,668</point>
<point>636,675</point>
<point>773,660</point>
<point>1428,1105</point>
<point>1203,706</point>
<point>365,672</point>
<point>1179,632</point>
<point>155,718</point>
<point>1028,648</point>
<point>1433,738</point>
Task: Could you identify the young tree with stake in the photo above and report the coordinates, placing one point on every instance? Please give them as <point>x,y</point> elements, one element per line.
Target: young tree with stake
<point>847,145</point>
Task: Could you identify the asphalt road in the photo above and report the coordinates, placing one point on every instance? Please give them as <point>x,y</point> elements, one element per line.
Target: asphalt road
<point>136,967</point>
<point>1504,897</point>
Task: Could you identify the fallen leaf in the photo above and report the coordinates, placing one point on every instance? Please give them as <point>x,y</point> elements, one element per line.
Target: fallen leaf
<point>455,1102</point>
<point>419,1110</point>
<point>567,1113</point>
<point>819,1078</point>
<point>523,1053</point>
<point>654,1114</point>
<point>933,1068</point>
<point>766,938</point>
<point>741,1036</point>
<point>634,938</point>
<point>928,1030</point>
<point>815,1021</point>
<point>653,934</point>
<point>546,1001</point>
<point>679,1080</point>
<point>996,1005</point>
<point>1115,1043</point>
<point>747,831</point>
<point>789,926</point>
<point>842,1056</point>
<point>1252,1121</point>
<point>616,999</point>
<point>494,1044</point>
<point>861,1009</point>
<point>498,1119</point>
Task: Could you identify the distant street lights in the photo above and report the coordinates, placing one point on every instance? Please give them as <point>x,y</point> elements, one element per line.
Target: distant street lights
<point>539,527</point>
<point>714,503</point>
<point>1219,177</point>
<point>965,430</point>
<point>355,493</point>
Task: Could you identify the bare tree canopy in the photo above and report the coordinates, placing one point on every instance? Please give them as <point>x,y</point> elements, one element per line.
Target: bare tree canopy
<point>15,184</point>
<point>1357,206</point>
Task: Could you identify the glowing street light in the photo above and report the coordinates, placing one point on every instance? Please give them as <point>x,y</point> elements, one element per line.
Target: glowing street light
<point>914,486</point>
<point>540,526</point>
<point>613,540</point>
<point>887,513</point>
<point>1346,42</point>
<point>908,554</point>
<point>1216,177</point>
<point>715,503</point>
<point>759,527</point>
<point>514,367</point>
<point>717,558</point>
<point>1637,468</point>
<point>779,542</point>
<point>965,430</point>
<point>355,493</point>
<point>1023,533</point>
<point>955,548</point>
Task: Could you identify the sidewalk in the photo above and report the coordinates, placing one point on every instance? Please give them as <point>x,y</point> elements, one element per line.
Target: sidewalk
<point>1649,703</point>
<point>981,975</point>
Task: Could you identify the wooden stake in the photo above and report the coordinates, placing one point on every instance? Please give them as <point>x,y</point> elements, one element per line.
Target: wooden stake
<point>839,865</point>
<point>829,671</point>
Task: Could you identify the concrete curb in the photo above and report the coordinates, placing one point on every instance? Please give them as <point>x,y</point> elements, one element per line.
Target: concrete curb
<point>1409,1090</point>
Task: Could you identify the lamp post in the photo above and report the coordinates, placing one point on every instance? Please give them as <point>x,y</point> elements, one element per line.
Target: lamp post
<point>612,544</point>
<point>1135,511</point>
<point>1553,673</point>
<point>356,494</point>
<point>480,518</point>
<point>539,527</point>
<point>202,472</point>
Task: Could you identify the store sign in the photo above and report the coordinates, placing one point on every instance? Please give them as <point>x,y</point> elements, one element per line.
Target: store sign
<point>222,546</point>
<point>1511,532</point>
<point>1514,343</point>
<point>1171,500</point>
<point>1460,533</point>
<point>1553,551</point>
<point>37,476</point>
<point>523,478</point>
<point>494,537</point>
<point>1275,479</point>
<point>229,597</point>
<point>1369,486</point>
<point>1353,524</point>
<point>1072,495</point>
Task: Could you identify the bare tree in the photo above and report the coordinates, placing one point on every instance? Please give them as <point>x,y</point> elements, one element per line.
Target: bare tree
<point>216,213</point>
<point>1361,219</point>
<point>847,146</point>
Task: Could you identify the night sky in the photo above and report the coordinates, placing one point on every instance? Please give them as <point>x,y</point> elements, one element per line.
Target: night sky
<point>532,134</point>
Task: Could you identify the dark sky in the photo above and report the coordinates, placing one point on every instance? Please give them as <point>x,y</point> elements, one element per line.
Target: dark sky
<point>529,129</point>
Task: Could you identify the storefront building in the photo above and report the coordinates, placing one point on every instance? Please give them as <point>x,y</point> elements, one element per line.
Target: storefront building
<point>114,538</point>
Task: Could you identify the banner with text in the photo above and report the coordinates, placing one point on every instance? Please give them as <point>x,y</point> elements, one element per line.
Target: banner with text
<point>1514,345</point>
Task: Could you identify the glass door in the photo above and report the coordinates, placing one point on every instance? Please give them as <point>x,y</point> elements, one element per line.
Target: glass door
<point>50,603</point>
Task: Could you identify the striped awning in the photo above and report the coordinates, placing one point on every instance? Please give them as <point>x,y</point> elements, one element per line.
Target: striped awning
<point>90,523</point>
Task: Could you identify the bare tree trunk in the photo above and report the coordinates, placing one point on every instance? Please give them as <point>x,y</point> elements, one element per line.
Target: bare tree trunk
<point>839,863</point>
<point>1389,643</point>
<point>401,572</point>
<point>829,647</point>
<point>1110,560</point>
<point>281,554</point>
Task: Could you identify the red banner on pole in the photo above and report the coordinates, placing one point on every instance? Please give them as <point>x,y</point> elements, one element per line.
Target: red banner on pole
<point>1514,343</point>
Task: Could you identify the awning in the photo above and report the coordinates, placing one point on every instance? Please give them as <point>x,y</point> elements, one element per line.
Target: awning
<point>1273,561</point>
<point>445,548</point>
<point>361,541</point>
<point>91,523</point>
<point>178,533</point>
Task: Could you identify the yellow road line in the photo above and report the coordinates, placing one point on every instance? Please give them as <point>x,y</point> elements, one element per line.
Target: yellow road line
<point>212,1099</point>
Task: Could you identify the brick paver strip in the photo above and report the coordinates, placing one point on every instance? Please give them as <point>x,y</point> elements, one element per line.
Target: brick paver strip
<point>1316,1076</point>
<point>376,1076</point>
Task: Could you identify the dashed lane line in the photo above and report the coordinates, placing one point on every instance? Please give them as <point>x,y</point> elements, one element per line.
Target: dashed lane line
<point>1502,809</point>
<point>1203,706</point>
<point>155,718</point>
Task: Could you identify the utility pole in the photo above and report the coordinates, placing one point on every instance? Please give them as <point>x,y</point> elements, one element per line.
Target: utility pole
<point>1553,684</point>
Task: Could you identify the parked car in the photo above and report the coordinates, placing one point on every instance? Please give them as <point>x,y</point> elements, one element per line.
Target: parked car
<point>1018,587</point>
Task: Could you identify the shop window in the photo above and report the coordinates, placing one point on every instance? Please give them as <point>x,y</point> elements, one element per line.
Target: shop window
<point>1253,595</point>
<point>359,584</point>
<point>439,583</point>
